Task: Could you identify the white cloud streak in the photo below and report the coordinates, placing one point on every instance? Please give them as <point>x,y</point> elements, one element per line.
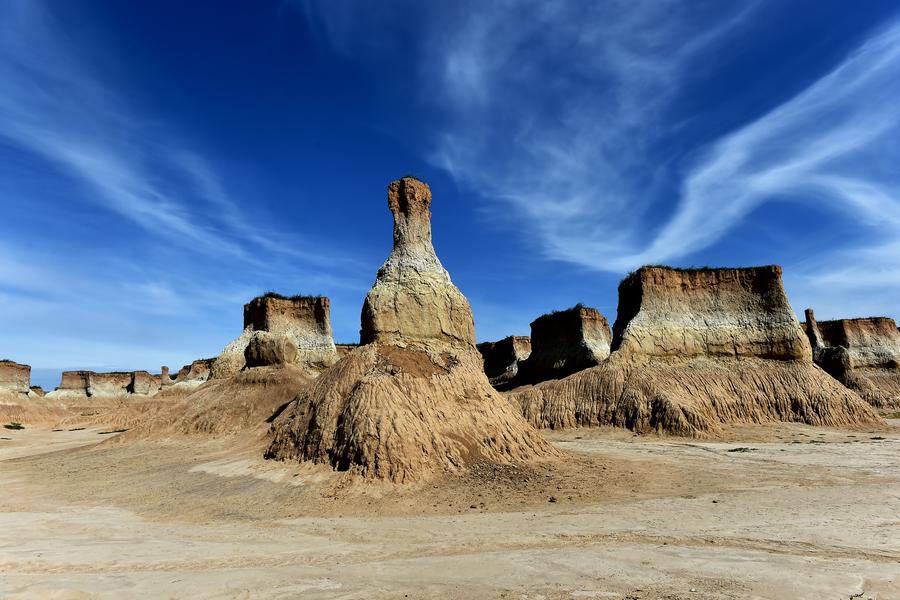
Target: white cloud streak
<point>558,116</point>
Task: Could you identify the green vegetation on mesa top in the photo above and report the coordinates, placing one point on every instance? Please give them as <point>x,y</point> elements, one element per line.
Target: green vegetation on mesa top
<point>277,296</point>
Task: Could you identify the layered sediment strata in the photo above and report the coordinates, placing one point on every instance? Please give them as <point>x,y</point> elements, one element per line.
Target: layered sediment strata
<point>14,377</point>
<point>502,358</point>
<point>413,400</point>
<point>303,319</point>
<point>565,342</point>
<point>195,373</point>
<point>114,384</point>
<point>142,382</point>
<point>345,349</point>
<point>863,354</point>
<point>694,350</point>
<point>707,312</point>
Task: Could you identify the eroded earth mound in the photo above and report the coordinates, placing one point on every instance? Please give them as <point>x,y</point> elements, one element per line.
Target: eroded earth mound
<point>863,354</point>
<point>502,358</point>
<point>304,320</point>
<point>694,349</point>
<point>413,400</point>
<point>565,342</point>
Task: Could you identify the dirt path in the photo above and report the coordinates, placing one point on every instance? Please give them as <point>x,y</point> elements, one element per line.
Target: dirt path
<point>797,513</point>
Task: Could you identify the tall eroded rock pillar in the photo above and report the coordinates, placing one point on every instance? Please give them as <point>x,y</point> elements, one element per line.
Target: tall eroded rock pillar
<point>413,298</point>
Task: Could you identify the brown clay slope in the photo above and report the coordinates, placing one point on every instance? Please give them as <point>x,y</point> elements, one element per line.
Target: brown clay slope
<point>694,350</point>
<point>413,401</point>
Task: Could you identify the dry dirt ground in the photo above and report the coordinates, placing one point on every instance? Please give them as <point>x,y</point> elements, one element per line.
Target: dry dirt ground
<point>786,512</point>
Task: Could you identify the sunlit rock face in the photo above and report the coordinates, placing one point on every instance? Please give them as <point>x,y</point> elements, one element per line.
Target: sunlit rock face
<point>694,350</point>
<point>863,354</point>
<point>305,320</point>
<point>413,298</point>
<point>412,401</point>
<point>708,312</point>
<point>14,377</point>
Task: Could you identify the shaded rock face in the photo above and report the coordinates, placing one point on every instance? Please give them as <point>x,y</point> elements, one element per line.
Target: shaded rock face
<point>502,358</point>
<point>270,349</point>
<point>694,350</point>
<point>144,383</point>
<point>413,298</point>
<point>412,401</point>
<point>195,373</point>
<point>707,312</point>
<point>565,342</point>
<point>304,319</point>
<point>37,390</point>
<point>863,354</point>
<point>14,377</point>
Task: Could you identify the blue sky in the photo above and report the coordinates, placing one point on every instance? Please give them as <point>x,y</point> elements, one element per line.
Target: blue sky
<point>162,163</point>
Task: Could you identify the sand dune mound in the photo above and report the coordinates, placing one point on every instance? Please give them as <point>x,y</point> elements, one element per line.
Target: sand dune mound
<point>412,401</point>
<point>304,320</point>
<point>696,349</point>
<point>863,354</point>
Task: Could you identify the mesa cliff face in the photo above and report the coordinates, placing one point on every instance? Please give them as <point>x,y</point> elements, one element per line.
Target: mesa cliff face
<point>413,400</point>
<point>694,350</point>
<point>304,320</point>
<point>14,377</point>
<point>565,342</point>
<point>863,354</point>
<point>502,358</point>
<point>707,312</point>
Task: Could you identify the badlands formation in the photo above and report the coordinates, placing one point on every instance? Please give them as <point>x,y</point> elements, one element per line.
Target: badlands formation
<point>273,321</point>
<point>696,349</point>
<point>502,358</point>
<point>564,342</point>
<point>863,354</point>
<point>412,402</point>
<point>289,466</point>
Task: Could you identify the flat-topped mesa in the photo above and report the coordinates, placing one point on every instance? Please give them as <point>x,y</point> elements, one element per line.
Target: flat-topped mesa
<point>565,342</point>
<point>707,312</point>
<point>413,298</point>
<point>862,353</point>
<point>144,384</point>
<point>14,377</point>
<point>412,401</point>
<point>195,373</point>
<point>502,358</point>
<point>304,320</point>
<point>114,384</point>
<point>694,350</point>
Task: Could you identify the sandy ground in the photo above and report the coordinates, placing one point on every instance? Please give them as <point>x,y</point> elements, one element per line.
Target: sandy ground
<point>774,512</point>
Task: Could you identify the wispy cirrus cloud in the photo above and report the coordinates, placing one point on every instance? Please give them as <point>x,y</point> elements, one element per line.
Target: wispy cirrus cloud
<point>566,119</point>
<point>158,253</point>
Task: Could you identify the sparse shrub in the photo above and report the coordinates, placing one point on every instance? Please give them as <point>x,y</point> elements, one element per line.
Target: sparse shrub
<point>14,425</point>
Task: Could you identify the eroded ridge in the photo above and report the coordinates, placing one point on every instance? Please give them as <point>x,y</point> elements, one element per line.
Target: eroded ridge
<point>413,400</point>
<point>863,354</point>
<point>694,349</point>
